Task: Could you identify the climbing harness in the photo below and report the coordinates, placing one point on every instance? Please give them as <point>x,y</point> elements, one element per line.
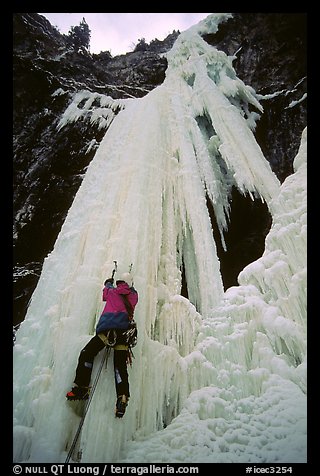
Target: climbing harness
<point>75,439</point>
<point>109,338</point>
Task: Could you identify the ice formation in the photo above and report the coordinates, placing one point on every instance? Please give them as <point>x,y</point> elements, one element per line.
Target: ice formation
<point>218,377</point>
<point>85,104</point>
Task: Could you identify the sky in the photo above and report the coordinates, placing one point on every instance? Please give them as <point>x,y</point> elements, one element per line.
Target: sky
<point>120,32</point>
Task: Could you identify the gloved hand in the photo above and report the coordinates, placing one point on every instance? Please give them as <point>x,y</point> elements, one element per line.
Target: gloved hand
<point>109,280</point>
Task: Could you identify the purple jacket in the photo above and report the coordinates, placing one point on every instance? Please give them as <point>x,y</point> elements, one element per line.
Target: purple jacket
<point>114,314</point>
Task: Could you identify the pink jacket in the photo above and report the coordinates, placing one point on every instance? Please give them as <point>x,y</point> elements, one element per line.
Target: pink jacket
<point>114,314</point>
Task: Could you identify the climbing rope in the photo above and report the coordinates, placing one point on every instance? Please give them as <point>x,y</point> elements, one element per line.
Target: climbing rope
<point>75,439</point>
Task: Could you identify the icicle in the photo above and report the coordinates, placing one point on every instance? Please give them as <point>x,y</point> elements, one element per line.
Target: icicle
<point>82,106</point>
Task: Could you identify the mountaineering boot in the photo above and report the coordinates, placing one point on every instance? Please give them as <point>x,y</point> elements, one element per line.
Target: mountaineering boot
<point>122,402</point>
<point>78,393</point>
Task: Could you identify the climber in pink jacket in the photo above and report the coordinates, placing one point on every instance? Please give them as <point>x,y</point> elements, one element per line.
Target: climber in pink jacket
<point>117,315</point>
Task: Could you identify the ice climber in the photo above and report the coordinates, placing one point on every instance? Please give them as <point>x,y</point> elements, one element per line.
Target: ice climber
<point>115,325</point>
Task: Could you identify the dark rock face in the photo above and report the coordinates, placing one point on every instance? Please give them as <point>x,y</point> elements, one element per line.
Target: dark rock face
<point>49,165</point>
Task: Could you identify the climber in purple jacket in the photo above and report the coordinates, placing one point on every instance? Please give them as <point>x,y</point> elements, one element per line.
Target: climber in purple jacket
<point>117,314</point>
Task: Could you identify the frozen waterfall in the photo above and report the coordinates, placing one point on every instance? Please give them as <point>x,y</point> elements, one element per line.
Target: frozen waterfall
<point>218,377</point>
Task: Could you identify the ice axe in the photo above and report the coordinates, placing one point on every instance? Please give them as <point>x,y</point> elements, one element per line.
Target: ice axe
<point>113,273</point>
<point>114,269</point>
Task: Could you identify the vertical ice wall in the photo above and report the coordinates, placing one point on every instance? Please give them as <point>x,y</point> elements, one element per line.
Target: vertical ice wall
<point>142,201</point>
